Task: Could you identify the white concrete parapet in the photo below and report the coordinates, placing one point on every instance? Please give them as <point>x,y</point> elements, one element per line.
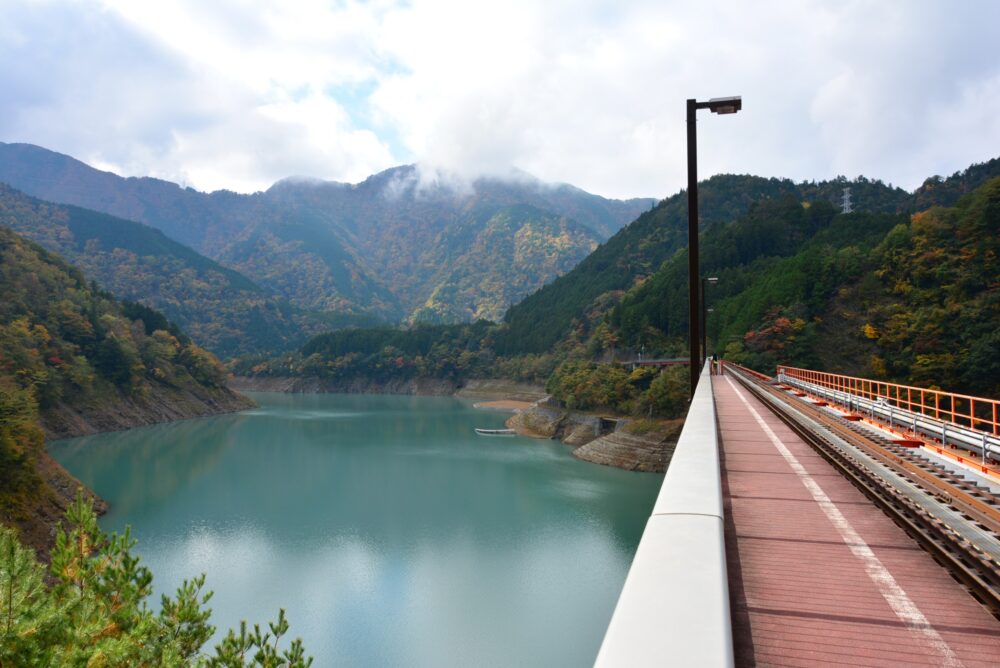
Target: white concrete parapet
<point>674,607</point>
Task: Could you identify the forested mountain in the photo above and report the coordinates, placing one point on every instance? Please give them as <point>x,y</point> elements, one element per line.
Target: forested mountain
<point>915,301</point>
<point>909,297</point>
<point>513,250</point>
<point>781,252</point>
<point>74,360</point>
<point>638,250</point>
<point>451,253</point>
<point>306,264</point>
<point>454,254</point>
<point>941,191</point>
<point>535,324</point>
<point>370,248</point>
<point>222,309</point>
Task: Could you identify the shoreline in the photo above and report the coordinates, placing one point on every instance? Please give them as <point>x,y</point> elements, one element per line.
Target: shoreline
<point>485,389</point>
<point>618,441</point>
<point>503,405</point>
<point>533,415</point>
<point>126,412</point>
<point>36,521</point>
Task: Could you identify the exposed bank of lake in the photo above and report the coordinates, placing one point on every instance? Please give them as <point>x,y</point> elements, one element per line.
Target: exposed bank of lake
<point>625,443</point>
<point>470,388</point>
<point>114,410</point>
<point>618,444</point>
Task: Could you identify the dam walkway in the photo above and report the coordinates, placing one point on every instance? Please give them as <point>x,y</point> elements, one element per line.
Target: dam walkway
<point>759,552</point>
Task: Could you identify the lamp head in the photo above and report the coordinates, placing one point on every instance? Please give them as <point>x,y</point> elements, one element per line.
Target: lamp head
<point>725,105</point>
<point>712,279</point>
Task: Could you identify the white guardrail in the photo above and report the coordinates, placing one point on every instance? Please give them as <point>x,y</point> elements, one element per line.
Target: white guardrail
<point>674,607</point>
<point>983,444</point>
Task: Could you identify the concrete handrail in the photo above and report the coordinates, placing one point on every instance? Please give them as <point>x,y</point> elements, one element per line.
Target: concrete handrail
<point>674,607</point>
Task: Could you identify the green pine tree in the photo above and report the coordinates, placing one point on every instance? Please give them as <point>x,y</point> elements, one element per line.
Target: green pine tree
<point>92,609</point>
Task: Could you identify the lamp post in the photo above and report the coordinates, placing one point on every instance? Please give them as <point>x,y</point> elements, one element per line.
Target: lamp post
<point>718,105</point>
<point>705,281</point>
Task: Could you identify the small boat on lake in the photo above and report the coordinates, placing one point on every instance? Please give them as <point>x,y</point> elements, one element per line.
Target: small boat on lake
<point>494,432</point>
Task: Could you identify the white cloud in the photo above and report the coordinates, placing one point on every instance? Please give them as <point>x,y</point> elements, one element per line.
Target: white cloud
<point>191,96</point>
<point>240,94</point>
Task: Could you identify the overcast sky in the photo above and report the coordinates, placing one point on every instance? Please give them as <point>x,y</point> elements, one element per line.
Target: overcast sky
<point>232,94</point>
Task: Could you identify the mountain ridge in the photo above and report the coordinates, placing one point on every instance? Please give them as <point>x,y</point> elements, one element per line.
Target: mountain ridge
<point>896,296</point>
<point>322,245</point>
<point>638,250</point>
<point>219,306</point>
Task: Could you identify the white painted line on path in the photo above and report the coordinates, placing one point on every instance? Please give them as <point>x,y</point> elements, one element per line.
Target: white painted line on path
<point>906,610</point>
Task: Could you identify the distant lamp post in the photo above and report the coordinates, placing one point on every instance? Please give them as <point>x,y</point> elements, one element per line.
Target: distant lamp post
<point>705,281</point>
<point>718,105</point>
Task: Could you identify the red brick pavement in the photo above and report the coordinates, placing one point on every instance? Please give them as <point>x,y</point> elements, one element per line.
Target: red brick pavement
<point>801,595</point>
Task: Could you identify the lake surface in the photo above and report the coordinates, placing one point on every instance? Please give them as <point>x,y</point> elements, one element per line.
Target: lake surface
<point>389,531</point>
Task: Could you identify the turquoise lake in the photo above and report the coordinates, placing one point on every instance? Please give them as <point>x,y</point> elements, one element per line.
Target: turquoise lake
<point>390,532</point>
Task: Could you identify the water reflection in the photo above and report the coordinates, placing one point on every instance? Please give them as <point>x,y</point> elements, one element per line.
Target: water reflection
<point>390,531</point>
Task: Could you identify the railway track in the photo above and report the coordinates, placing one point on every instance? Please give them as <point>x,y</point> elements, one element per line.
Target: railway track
<point>954,519</point>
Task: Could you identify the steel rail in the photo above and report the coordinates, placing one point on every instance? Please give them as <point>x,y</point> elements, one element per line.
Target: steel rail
<point>975,501</point>
<point>980,506</point>
<point>977,571</point>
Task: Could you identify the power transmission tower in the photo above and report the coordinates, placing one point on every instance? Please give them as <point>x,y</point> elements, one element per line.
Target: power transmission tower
<point>845,202</point>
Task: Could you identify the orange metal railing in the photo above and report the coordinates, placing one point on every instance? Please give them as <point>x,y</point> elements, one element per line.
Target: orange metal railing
<point>959,409</point>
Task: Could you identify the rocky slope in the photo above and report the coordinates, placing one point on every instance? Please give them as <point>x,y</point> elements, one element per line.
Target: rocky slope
<point>36,526</point>
<point>623,443</point>
<point>629,451</point>
<point>67,420</point>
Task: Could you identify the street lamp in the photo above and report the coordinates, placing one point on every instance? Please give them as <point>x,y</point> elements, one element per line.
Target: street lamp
<point>718,105</point>
<point>705,280</point>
